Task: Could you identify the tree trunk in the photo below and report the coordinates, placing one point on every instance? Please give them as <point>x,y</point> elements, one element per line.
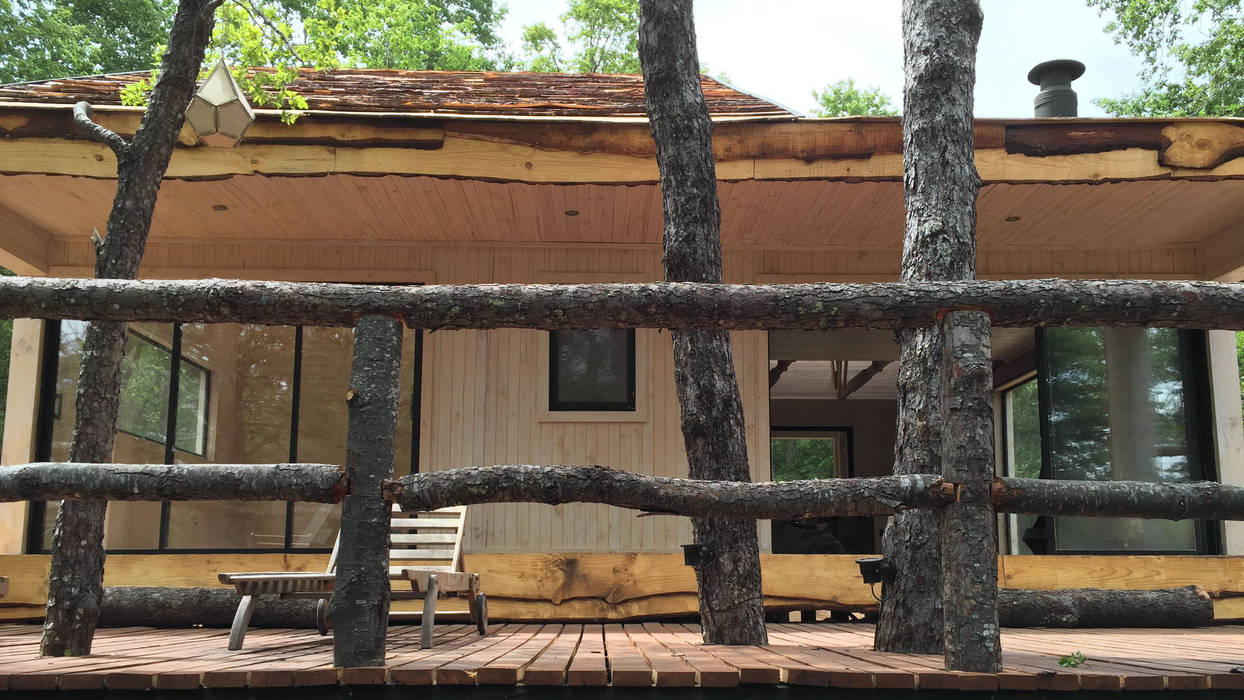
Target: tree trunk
<point>1189,606</point>
<point>939,243</point>
<point>317,483</point>
<point>969,527</point>
<point>682,306</point>
<point>190,607</point>
<point>731,605</point>
<point>526,483</point>
<point>360,602</point>
<point>77,568</point>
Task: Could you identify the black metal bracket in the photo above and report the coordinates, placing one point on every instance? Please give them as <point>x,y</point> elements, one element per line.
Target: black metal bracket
<point>698,555</point>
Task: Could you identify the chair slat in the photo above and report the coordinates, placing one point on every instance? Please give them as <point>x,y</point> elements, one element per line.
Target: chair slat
<point>436,538</point>
<point>445,554</point>
<point>422,523</point>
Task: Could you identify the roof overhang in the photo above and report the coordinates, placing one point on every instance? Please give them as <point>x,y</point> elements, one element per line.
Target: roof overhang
<point>1172,187</point>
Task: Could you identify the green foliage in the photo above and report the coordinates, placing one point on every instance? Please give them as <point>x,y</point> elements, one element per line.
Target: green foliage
<point>801,458</point>
<point>1193,53</point>
<point>845,99</point>
<point>1073,660</point>
<point>54,38</point>
<point>603,35</point>
<point>1239,354</point>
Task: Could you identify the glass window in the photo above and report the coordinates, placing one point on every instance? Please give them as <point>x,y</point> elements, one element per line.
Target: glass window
<point>1111,404</point>
<point>592,370</point>
<point>245,394</point>
<point>249,400</point>
<point>1022,414</point>
<point>143,411</point>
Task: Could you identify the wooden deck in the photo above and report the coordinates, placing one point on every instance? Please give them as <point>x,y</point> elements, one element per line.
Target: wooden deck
<point>637,655</point>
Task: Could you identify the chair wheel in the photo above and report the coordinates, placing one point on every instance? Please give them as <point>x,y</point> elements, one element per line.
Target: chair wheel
<point>481,614</point>
<point>321,617</point>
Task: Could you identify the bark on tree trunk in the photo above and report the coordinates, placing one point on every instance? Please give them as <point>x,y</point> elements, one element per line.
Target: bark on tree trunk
<point>128,606</point>
<point>731,606</point>
<point>1202,500</point>
<point>360,602</point>
<point>680,306</point>
<point>77,568</point>
<point>525,483</point>
<point>317,483</point>
<point>1189,606</point>
<point>940,185</point>
<point>969,527</point>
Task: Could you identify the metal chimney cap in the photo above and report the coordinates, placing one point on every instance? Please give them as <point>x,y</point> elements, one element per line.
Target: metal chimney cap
<point>1073,68</point>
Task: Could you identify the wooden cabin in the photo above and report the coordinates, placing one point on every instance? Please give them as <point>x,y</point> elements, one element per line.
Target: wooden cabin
<point>397,177</point>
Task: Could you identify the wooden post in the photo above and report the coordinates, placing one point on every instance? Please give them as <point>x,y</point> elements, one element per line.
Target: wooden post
<point>969,531</point>
<point>360,603</point>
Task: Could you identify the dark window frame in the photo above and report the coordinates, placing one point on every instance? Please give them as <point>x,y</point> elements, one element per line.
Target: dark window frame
<point>620,406</point>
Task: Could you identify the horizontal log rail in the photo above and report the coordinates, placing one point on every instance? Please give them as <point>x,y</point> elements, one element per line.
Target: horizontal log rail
<point>1202,500</point>
<point>890,305</point>
<point>47,481</point>
<point>526,483</point>
<point>813,498</point>
<point>594,484</point>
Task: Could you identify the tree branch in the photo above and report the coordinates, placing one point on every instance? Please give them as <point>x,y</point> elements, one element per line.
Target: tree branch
<point>257,15</point>
<point>48,481</point>
<point>889,305</point>
<point>1202,500</point>
<point>82,117</point>
<point>734,499</point>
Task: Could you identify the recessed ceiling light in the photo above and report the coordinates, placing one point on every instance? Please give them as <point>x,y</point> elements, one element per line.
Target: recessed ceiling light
<point>571,212</point>
<point>1011,219</point>
<point>219,207</point>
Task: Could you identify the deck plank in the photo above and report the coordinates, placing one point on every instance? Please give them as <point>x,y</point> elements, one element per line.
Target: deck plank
<point>590,665</point>
<point>551,666</point>
<point>640,654</point>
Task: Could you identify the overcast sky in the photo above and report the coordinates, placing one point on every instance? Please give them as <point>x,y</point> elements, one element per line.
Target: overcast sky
<point>783,49</point>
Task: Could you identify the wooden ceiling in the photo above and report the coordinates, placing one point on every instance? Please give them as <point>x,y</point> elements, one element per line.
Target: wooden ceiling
<point>760,215</point>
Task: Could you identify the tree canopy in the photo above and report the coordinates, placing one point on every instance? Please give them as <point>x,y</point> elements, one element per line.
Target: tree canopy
<point>1193,54</point>
<point>602,36</point>
<point>845,99</point>
<point>59,37</point>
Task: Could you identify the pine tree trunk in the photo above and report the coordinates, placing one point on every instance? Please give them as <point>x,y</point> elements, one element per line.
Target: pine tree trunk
<point>940,185</point>
<point>360,602</point>
<point>77,569</point>
<point>969,528</point>
<point>731,606</point>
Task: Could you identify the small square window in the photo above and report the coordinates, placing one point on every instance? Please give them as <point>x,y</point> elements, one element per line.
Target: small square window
<point>592,370</point>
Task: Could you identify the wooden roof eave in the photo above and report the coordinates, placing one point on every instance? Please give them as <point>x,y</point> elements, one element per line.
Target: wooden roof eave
<point>618,150</point>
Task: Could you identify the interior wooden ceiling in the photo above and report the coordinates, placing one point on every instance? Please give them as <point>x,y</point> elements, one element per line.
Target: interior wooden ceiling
<point>761,214</point>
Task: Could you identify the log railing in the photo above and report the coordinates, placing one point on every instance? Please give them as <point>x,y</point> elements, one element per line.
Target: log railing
<point>372,310</point>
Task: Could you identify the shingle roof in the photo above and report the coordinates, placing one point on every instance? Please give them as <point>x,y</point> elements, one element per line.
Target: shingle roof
<point>447,92</point>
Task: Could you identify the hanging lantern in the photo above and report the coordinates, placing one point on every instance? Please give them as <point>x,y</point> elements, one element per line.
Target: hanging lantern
<point>219,112</point>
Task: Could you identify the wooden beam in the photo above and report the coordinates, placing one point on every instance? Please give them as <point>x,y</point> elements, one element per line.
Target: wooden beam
<point>465,157</point>
<point>776,372</point>
<point>622,585</point>
<point>862,377</point>
<point>23,245</point>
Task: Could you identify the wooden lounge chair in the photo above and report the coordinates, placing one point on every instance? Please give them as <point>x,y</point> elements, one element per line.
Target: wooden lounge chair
<point>425,550</point>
